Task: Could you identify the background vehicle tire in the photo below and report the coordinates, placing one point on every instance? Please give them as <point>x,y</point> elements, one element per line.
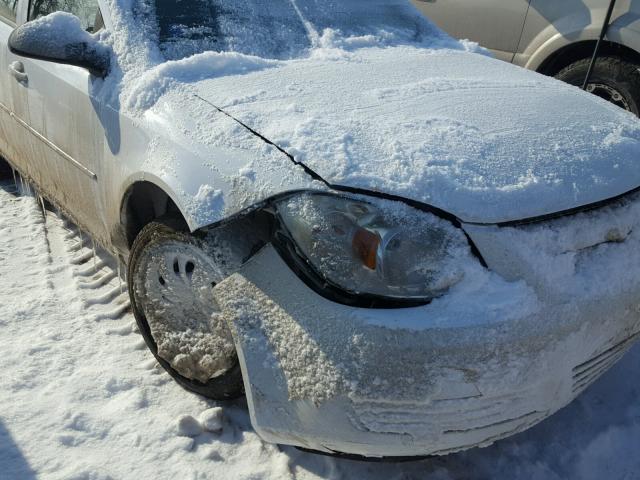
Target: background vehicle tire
<point>614,79</point>
<point>158,235</point>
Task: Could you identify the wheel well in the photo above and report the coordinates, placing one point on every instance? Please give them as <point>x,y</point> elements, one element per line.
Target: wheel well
<point>5,169</point>
<point>580,50</point>
<point>143,203</point>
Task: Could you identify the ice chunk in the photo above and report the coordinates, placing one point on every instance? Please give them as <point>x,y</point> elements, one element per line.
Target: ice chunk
<point>188,426</point>
<point>211,419</point>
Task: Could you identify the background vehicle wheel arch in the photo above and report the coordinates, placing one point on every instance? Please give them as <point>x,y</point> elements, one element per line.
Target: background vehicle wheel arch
<point>536,49</point>
<point>573,52</point>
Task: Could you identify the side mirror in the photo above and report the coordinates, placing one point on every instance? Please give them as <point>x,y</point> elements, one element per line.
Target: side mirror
<point>60,38</point>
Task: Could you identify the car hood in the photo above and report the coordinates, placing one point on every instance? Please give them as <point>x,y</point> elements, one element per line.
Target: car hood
<point>481,139</point>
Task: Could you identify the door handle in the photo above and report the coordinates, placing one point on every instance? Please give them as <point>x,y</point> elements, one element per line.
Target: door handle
<point>16,69</point>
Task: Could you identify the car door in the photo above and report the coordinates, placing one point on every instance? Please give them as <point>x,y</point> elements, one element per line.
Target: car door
<point>494,24</point>
<point>14,137</point>
<point>64,118</point>
<point>8,18</point>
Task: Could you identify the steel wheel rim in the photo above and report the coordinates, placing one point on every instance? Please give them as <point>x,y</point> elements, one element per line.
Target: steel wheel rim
<point>609,94</point>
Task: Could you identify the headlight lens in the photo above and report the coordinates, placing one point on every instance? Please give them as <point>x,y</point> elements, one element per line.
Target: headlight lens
<point>375,247</point>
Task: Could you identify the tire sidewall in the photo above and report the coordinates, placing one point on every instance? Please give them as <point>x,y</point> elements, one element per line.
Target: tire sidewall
<point>614,72</point>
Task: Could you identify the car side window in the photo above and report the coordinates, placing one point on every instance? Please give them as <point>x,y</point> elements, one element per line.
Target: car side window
<point>8,9</point>
<point>87,11</point>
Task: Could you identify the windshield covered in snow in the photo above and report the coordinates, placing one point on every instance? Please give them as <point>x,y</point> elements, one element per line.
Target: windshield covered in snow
<point>280,28</point>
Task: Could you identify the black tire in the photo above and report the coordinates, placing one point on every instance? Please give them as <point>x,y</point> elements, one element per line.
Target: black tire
<point>225,387</point>
<point>612,76</point>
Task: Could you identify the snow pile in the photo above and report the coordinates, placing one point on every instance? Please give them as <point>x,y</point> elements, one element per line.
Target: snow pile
<point>212,420</point>
<point>501,300</point>
<point>55,31</point>
<point>146,91</point>
<point>211,199</point>
<point>188,426</point>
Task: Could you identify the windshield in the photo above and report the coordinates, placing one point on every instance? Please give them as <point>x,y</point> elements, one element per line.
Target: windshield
<point>280,28</point>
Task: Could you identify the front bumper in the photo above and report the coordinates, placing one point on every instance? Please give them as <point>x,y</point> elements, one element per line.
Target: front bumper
<point>407,382</point>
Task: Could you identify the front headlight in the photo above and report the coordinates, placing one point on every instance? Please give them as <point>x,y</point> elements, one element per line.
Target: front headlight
<point>367,247</point>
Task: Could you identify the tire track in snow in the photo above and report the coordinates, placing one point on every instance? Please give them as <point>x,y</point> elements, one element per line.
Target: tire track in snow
<point>96,273</point>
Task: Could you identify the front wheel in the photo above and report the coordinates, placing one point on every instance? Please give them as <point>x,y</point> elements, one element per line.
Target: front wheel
<point>170,279</point>
<point>614,79</point>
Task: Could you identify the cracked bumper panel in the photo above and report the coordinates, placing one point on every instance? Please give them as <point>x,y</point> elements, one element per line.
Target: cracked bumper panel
<point>401,382</point>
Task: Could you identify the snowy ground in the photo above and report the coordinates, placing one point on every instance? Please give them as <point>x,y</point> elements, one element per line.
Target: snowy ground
<point>80,397</point>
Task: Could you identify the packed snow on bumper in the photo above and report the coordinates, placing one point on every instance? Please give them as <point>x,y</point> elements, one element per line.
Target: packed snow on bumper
<point>488,359</point>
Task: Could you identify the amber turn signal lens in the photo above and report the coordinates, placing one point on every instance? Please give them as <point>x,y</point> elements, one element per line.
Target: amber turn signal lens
<point>365,245</point>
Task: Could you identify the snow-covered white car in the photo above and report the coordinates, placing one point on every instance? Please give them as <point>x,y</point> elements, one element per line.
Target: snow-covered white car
<point>393,243</point>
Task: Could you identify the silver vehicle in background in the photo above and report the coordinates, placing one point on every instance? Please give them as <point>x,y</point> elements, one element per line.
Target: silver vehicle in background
<point>556,38</point>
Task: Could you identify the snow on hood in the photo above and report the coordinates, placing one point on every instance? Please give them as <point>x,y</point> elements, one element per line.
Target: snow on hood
<point>484,140</point>
<point>405,111</point>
